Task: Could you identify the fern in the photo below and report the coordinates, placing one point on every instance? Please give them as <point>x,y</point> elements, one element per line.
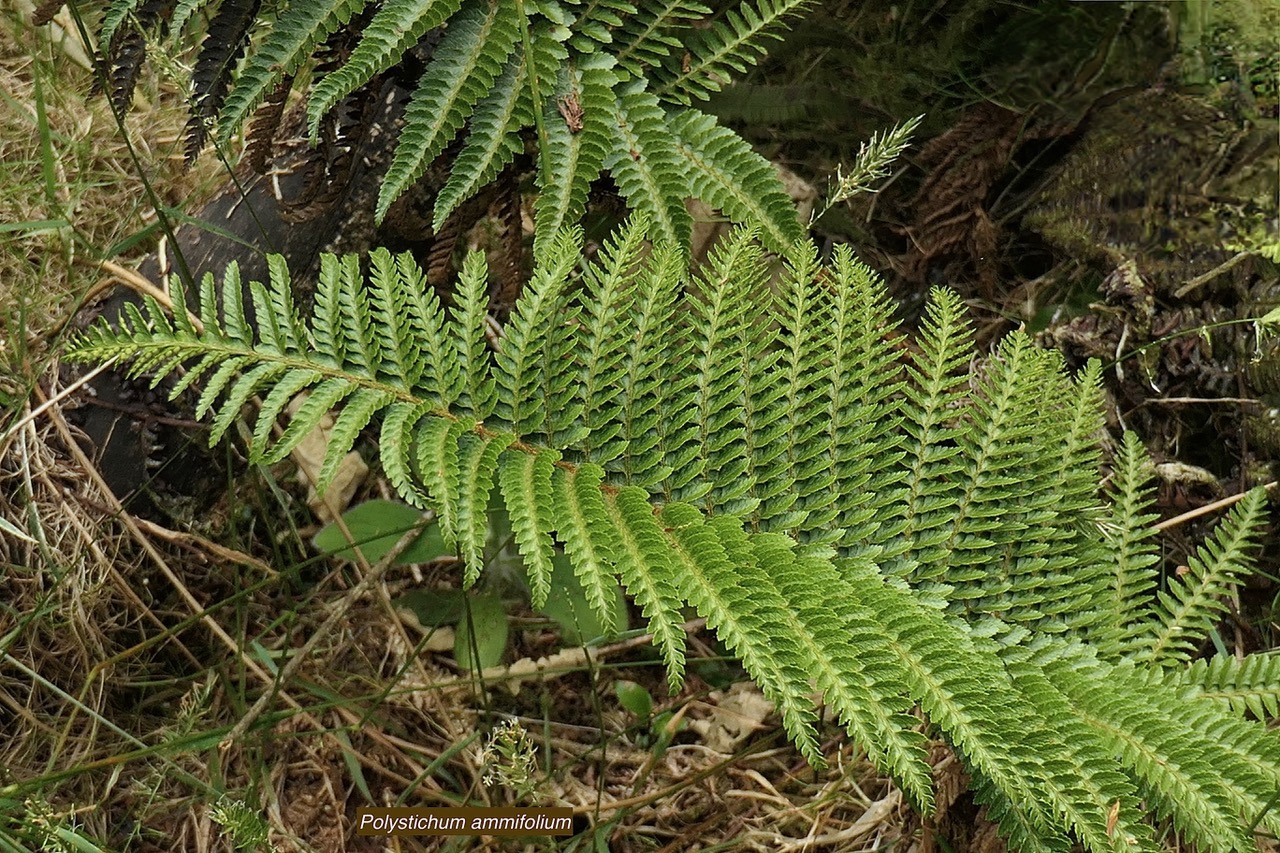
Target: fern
<point>572,159</point>
<point>1188,609</point>
<point>495,70</point>
<point>465,64</point>
<point>396,27</point>
<point>724,172</point>
<point>893,527</point>
<point>302,26</point>
<point>727,48</point>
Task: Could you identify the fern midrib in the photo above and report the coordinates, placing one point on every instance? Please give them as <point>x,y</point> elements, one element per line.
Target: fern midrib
<point>293,362</point>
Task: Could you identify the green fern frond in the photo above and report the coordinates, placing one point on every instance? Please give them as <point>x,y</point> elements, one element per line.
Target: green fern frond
<point>610,291</point>
<point>582,523</point>
<point>1187,611</point>
<point>725,49</point>
<point>1131,552</point>
<point>1250,684</point>
<point>862,420</point>
<point>595,23</point>
<point>525,480</point>
<point>725,173</point>
<point>302,26</point>
<point>437,466</point>
<point>858,520</point>
<point>1177,769</point>
<point>533,373</point>
<point>934,404</point>
<point>477,466</point>
<point>654,372</point>
<point>579,73</point>
<point>708,457</point>
<point>396,27</point>
<point>494,137</point>
<point>573,158</point>
<point>721,573</point>
<point>647,37</point>
<point>649,173</point>
<point>465,64</point>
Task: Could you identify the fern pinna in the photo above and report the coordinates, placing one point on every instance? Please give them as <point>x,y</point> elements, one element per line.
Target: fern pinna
<point>603,85</point>
<point>868,525</point>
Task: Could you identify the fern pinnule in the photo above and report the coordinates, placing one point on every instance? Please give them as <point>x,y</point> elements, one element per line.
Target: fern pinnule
<point>234,326</point>
<point>610,290</point>
<point>477,466</point>
<point>1175,773</point>
<point>803,314</point>
<point>398,340</point>
<point>867,688</point>
<point>862,418</point>
<point>709,459</point>
<point>643,560</point>
<point>436,440</point>
<point>437,373</point>
<point>582,522</point>
<point>718,570</point>
<point>492,141</point>
<point>655,372</point>
<point>761,416</point>
<point>469,57</point>
<point>647,37</point>
<point>1132,554</point>
<point>934,406</point>
<point>1250,684</point>
<point>395,446</point>
<point>467,327</point>
<point>531,371</point>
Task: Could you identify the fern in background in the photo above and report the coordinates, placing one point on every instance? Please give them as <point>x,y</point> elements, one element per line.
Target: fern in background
<point>604,87</point>
<point>895,527</point>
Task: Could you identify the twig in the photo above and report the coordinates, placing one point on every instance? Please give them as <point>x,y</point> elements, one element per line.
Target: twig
<point>1211,274</point>
<point>1206,509</point>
